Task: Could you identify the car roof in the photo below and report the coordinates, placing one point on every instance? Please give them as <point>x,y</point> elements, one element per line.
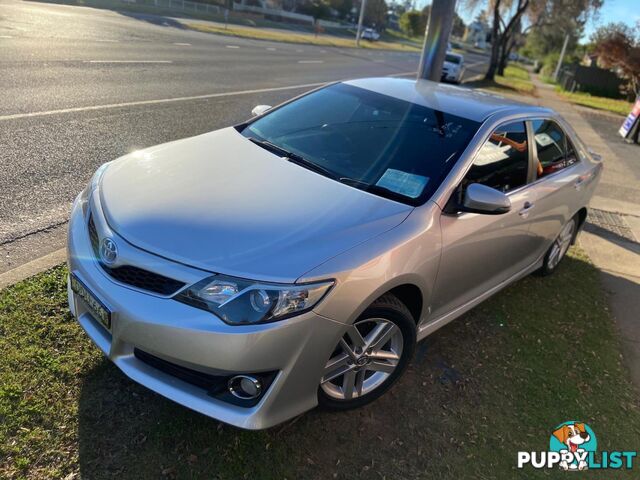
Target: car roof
<point>463,102</point>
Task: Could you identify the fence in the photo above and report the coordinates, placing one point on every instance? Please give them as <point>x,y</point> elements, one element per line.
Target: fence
<point>594,80</point>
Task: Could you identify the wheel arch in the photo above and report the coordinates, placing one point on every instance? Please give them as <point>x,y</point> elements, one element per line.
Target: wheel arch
<point>582,218</point>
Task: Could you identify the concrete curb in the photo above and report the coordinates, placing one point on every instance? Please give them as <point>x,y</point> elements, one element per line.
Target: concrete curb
<point>32,268</point>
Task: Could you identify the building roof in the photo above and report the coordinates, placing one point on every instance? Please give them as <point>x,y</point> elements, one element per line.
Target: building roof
<point>464,102</point>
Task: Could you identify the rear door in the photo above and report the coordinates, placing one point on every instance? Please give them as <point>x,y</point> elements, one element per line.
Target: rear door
<point>481,251</point>
<point>557,182</point>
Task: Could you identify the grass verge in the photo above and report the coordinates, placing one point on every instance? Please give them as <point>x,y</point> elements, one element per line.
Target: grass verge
<point>492,383</point>
<point>516,80</point>
<point>621,107</point>
<point>294,37</point>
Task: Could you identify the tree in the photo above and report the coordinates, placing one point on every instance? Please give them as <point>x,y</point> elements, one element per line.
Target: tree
<point>618,46</point>
<point>343,7</point>
<point>375,13</point>
<point>550,21</point>
<point>412,23</point>
<point>506,18</point>
<point>316,8</point>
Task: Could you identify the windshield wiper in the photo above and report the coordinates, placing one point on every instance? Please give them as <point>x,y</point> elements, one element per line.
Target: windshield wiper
<point>293,157</point>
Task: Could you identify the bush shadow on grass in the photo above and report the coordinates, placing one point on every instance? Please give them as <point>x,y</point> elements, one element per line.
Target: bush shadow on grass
<point>491,383</point>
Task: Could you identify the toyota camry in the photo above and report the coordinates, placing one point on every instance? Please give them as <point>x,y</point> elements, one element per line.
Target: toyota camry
<point>294,260</point>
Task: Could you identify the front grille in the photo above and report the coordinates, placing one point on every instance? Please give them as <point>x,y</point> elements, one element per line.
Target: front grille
<point>144,279</point>
<point>93,236</point>
<point>134,276</point>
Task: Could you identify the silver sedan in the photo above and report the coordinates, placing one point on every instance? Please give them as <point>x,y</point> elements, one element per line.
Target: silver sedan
<point>254,272</point>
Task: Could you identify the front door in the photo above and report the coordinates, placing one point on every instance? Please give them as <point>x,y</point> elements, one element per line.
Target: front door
<point>482,251</point>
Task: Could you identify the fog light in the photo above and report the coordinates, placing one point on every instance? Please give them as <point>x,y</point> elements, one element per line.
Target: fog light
<point>244,387</point>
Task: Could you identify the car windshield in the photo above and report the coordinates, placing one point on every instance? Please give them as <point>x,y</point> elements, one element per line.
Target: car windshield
<point>387,146</point>
<point>452,59</point>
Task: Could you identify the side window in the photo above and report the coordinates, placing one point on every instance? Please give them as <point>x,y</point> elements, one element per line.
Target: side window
<point>503,161</point>
<point>555,151</point>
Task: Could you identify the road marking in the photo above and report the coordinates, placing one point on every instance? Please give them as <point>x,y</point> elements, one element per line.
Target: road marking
<point>271,49</point>
<point>127,61</point>
<point>232,46</point>
<point>160,101</point>
<point>182,44</point>
<point>299,51</point>
<point>107,40</point>
<point>310,61</point>
<point>6,36</point>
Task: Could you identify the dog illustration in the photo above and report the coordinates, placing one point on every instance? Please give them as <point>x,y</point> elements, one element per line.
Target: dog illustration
<point>573,436</point>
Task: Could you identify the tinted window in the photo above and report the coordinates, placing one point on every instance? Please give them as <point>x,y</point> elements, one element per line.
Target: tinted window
<point>555,151</point>
<point>452,59</point>
<point>387,146</point>
<point>503,161</point>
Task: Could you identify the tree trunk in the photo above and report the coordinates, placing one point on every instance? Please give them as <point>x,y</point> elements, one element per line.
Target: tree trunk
<point>504,56</point>
<point>495,43</point>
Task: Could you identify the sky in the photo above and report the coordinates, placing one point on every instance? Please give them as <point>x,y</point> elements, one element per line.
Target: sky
<point>626,11</point>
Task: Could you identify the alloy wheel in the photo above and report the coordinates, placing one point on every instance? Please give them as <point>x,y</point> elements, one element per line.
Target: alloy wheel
<point>364,358</point>
<point>561,244</point>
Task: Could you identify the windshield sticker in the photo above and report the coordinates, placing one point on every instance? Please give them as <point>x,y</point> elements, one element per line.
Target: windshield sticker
<point>407,184</point>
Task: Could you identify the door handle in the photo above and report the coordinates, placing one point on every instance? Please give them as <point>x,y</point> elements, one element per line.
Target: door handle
<point>524,213</point>
<point>579,182</point>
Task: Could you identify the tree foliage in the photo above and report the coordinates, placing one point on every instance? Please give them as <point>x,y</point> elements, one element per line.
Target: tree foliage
<point>618,46</point>
<point>551,20</point>
<point>375,13</point>
<point>412,23</point>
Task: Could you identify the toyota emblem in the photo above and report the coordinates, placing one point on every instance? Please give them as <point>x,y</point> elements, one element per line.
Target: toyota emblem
<point>108,250</point>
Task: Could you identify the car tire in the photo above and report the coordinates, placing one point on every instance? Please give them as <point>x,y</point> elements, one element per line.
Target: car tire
<point>559,248</point>
<point>389,317</point>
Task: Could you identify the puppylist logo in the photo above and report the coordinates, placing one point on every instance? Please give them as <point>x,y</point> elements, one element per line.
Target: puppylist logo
<point>573,447</point>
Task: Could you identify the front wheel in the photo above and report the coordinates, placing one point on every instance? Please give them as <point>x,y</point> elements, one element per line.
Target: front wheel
<point>558,248</point>
<point>370,357</point>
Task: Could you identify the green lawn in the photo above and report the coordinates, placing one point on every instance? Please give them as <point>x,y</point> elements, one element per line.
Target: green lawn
<point>489,384</point>
<point>600,103</point>
<point>516,80</point>
<point>300,37</point>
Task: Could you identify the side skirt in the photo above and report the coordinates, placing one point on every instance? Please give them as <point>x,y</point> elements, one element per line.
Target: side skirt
<point>429,327</point>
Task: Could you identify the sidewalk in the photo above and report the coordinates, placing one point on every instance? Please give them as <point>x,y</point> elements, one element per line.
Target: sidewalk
<point>612,234</point>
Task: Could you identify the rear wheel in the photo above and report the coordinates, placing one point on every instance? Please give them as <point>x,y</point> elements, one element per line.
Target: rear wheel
<point>559,248</point>
<point>370,357</point>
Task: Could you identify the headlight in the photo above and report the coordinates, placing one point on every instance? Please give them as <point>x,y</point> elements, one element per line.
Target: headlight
<point>243,302</point>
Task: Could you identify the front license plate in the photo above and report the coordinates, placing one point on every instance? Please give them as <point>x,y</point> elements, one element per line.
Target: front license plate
<point>95,306</point>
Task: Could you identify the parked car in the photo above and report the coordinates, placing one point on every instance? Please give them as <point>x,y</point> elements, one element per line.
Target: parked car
<point>370,34</point>
<point>254,272</point>
<point>453,67</point>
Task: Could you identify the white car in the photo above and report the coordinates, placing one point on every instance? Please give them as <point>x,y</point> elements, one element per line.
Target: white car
<point>453,67</point>
<point>370,34</point>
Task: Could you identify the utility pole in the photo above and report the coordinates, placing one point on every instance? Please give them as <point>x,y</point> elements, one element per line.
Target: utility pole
<point>363,5</point>
<point>564,50</point>
<point>435,39</point>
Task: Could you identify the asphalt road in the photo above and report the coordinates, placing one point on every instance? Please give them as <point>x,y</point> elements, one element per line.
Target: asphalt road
<point>82,86</point>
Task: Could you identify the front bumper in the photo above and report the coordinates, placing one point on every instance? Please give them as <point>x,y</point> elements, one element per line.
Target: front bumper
<point>296,348</point>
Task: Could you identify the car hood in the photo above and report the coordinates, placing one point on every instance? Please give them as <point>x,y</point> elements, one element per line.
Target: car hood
<point>223,204</point>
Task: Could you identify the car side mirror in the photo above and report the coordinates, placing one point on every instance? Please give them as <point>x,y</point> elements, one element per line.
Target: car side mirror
<point>260,110</point>
<point>479,198</point>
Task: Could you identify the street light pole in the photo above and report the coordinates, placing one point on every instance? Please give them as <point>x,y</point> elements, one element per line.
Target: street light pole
<point>363,5</point>
<point>561,59</point>
<point>435,39</point>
